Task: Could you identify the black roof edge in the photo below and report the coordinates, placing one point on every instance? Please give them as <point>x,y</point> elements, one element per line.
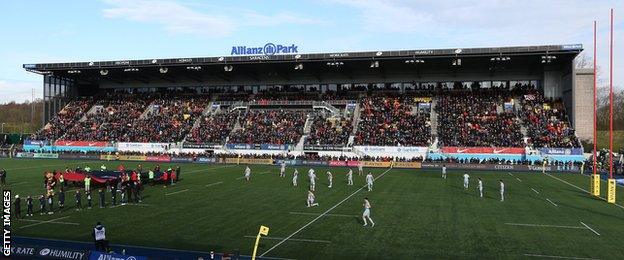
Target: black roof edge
<point>572,49</point>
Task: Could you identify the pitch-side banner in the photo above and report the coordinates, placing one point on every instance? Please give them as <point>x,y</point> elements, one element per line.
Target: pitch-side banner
<point>561,151</point>
<point>393,151</point>
<point>81,143</point>
<point>143,147</point>
<point>487,150</point>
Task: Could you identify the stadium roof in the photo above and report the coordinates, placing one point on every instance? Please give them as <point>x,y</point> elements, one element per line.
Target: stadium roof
<point>318,66</point>
<point>402,54</point>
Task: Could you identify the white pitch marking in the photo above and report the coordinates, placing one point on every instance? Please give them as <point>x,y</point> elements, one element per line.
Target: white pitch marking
<point>322,214</point>
<point>580,188</point>
<point>590,228</point>
<point>510,174</point>
<point>560,257</point>
<point>329,215</point>
<point>518,179</point>
<point>213,184</point>
<point>552,202</point>
<point>54,222</point>
<point>535,191</point>
<point>43,222</point>
<point>547,226</point>
<point>295,239</point>
<point>176,192</point>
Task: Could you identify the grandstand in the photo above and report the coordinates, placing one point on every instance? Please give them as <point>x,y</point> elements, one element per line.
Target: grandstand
<point>520,100</point>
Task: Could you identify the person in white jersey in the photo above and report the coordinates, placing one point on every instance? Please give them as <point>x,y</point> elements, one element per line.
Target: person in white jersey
<point>366,214</point>
<point>466,180</point>
<point>311,199</point>
<point>502,190</point>
<point>330,178</point>
<point>480,187</point>
<point>247,173</point>
<point>312,177</point>
<point>350,177</point>
<point>283,169</point>
<point>444,171</point>
<point>369,181</point>
<point>294,179</point>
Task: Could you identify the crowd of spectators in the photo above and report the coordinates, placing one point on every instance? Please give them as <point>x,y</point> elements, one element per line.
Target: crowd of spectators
<point>470,119</point>
<point>391,120</point>
<point>169,120</point>
<point>213,129</point>
<point>112,120</point>
<point>547,122</point>
<point>330,131</point>
<point>67,117</point>
<point>271,127</point>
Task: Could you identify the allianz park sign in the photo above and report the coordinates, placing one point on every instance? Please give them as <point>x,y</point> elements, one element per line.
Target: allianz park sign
<point>268,49</point>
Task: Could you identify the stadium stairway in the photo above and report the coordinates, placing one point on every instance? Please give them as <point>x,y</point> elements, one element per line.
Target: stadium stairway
<point>434,119</point>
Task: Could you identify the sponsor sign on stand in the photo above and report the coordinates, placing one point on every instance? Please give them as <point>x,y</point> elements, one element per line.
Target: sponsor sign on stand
<point>483,150</point>
<point>502,167</point>
<point>161,158</point>
<point>46,252</point>
<point>81,143</point>
<point>374,164</point>
<point>561,151</point>
<point>413,165</point>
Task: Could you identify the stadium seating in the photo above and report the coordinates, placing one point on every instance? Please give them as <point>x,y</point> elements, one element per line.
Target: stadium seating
<point>475,119</point>
<point>547,122</point>
<point>69,115</point>
<point>270,127</point>
<point>169,120</point>
<point>112,121</point>
<point>213,129</point>
<point>330,131</point>
<point>391,120</point>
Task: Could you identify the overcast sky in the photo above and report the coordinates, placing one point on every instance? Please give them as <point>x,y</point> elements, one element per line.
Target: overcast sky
<point>62,31</point>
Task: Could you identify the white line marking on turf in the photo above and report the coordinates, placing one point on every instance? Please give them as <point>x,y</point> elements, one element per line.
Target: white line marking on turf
<point>43,222</point>
<point>322,214</point>
<point>329,215</point>
<point>176,192</point>
<point>131,204</point>
<point>54,222</point>
<point>580,188</point>
<point>295,239</point>
<point>552,202</point>
<point>547,226</point>
<point>264,172</point>
<point>535,191</point>
<point>518,179</point>
<point>590,228</point>
<point>18,183</point>
<point>213,184</point>
<point>511,174</point>
<point>560,257</point>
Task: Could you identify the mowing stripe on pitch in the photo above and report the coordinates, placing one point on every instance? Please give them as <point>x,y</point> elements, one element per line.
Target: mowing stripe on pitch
<point>328,215</point>
<point>535,191</point>
<point>176,192</point>
<point>546,226</point>
<point>44,222</point>
<point>590,228</point>
<point>213,184</point>
<point>552,202</point>
<point>564,181</point>
<point>295,239</point>
<point>322,214</point>
<point>560,257</point>
<point>53,222</point>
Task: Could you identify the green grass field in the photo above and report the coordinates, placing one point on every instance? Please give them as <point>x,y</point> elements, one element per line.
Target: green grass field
<point>417,214</point>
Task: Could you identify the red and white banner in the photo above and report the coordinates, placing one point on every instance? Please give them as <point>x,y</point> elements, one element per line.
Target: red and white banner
<point>160,158</point>
<point>487,150</point>
<point>81,143</point>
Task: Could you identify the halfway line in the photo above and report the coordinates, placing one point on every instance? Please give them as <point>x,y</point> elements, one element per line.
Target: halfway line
<point>324,213</point>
